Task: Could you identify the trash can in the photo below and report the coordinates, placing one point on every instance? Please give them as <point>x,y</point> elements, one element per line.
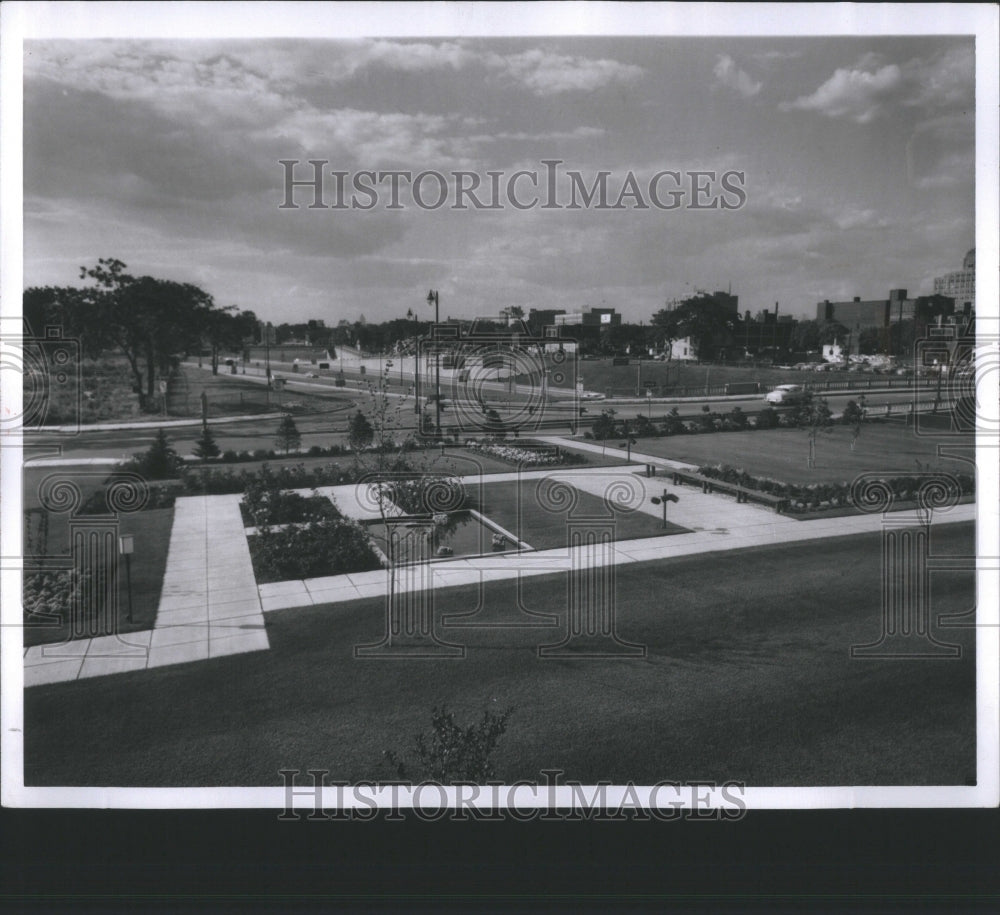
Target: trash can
<point>651,470</point>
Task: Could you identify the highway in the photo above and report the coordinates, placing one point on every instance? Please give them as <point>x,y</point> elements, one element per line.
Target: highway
<point>326,428</point>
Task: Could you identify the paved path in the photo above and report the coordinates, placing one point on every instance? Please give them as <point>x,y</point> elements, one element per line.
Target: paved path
<point>209,606</point>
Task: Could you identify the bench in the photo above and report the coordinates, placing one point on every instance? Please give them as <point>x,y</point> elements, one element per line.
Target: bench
<point>710,485</point>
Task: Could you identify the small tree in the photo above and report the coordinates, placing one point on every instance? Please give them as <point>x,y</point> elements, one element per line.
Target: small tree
<point>453,753</point>
<point>815,416</point>
<point>205,447</point>
<point>287,436</point>
<point>360,432</point>
<point>159,462</point>
<point>604,425</point>
<point>854,416</point>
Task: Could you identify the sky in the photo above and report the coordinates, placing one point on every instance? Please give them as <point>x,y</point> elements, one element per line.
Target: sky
<point>857,156</point>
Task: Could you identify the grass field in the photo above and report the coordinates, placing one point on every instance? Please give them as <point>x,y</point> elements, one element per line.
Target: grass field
<point>748,677</point>
<point>515,507</point>
<point>783,453</point>
<point>151,530</point>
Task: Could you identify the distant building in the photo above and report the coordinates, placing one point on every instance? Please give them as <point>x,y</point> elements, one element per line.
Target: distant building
<point>960,285</point>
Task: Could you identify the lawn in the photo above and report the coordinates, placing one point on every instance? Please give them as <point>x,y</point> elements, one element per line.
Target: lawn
<point>151,530</point>
<point>748,677</point>
<point>782,453</point>
<point>515,507</point>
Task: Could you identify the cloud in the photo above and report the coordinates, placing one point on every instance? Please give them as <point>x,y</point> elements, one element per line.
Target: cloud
<point>732,77</point>
<point>869,89</point>
<point>855,94</point>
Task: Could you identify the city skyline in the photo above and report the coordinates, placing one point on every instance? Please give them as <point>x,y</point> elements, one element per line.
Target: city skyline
<point>858,156</point>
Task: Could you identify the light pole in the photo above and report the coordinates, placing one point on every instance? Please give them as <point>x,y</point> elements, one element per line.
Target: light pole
<point>433,298</point>
<point>663,500</point>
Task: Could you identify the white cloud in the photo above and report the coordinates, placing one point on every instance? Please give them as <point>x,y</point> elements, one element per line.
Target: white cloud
<point>867,90</point>
<point>856,94</point>
<point>732,77</point>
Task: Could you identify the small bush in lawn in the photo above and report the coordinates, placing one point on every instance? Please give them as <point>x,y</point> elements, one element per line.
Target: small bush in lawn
<point>453,753</point>
<point>230,456</point>
<point>643,426</point>
<point>261,454</point>
<point>737,419</point>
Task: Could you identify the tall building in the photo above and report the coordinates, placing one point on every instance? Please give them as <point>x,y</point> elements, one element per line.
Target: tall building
<point>960,285</point>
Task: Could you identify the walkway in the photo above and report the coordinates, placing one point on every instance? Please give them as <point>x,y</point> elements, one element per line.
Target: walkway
<point>209,606</point>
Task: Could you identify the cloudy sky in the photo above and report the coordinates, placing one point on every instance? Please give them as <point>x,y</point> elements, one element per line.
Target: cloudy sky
<point>858,157</point>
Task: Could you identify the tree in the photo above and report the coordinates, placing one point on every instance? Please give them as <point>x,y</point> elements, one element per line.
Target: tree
<point>287,436</point>
<point>360,432</point>
<point>453,753</point>
<point>159,462</point>
<point>205,447</point>
<point>604,425</point>
<point>706,319</point>
<point>854,416</point>
<point>831,332</point>
<point>870,341</point>
<point>815,416</point>
<point>805,337</point>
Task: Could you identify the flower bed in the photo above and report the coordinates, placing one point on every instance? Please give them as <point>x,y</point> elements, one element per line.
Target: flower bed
<point>812,497</point>
<point>523,455</point>
<point>333,546</point>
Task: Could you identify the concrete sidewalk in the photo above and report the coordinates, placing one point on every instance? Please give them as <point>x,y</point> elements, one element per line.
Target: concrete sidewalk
<point>209,605</point>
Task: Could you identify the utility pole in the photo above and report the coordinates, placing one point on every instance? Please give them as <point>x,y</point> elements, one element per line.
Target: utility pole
<point>433,298</point>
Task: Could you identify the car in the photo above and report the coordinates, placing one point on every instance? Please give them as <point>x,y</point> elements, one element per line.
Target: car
<point>785,394</point>
<point>311,375</point>
<point>592,395</point>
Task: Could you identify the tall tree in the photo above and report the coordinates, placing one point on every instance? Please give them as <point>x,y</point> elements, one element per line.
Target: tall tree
<point>151,321</point>
<point>706,319</point>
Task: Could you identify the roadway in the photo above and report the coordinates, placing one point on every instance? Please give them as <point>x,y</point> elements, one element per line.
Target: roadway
<point>326,428</point>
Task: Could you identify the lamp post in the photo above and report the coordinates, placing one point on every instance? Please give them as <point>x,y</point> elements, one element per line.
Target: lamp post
<point>433,299</point>
<point>126,546</point>
<point>663,500</point>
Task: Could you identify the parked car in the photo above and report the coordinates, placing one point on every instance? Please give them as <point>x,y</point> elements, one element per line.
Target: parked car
<point>312,375</point>
<point>785,394</point>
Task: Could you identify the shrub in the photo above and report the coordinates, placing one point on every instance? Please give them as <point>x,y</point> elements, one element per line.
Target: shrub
<point>642,425</point>
<point>766,419</point>
<point>737,419</point>
<point>453,753</point>
<point>333,546</point>
<point>673,424</point>
<point>229,456</point>
<point>266,502</point>
<point>159,462</point>
<point>260,454</point>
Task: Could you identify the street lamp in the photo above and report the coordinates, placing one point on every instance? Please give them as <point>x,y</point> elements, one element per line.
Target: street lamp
<point>628,444</point>
<point>663,500</point>
<point>434,299</point>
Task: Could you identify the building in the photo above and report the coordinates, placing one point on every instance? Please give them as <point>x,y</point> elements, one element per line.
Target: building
<point>960,285</point>
<point>860,313</point>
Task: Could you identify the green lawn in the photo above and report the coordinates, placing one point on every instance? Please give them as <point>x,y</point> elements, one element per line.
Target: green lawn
<point>782,453</point>
<point>748,677</point>
<point>515,507</point>
<point>151,530</point>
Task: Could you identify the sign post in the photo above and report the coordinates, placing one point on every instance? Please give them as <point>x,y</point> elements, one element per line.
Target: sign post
<point>126,546</point>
